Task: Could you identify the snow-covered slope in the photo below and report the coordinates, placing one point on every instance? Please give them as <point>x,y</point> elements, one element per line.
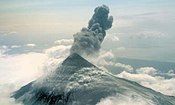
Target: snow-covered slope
<point>78,82</point>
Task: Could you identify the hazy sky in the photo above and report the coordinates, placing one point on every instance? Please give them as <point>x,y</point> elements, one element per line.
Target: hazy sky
<point>142,29</point>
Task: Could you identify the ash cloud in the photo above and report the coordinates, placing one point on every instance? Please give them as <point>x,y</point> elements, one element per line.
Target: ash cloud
<point>88,40</point>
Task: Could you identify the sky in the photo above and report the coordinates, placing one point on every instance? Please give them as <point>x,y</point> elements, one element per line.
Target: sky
<point>142,29</point>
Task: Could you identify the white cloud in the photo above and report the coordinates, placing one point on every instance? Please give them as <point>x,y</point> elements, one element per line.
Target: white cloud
<point>147,70</point>
<point>6,90</point>
<point>121,48</point>
<point>146,76</point>
<point>26,66</point>
<point>20,69</point>
<point>12,33</point>
<point>107,60</point>
<point>148,35</point>
<point>140,78</point>
<point>64,42</point>
<point>103,58</point>
<point>124,67</point>
<point>55,55</point>
<point>58,51</point>
<point>171,73</point>
<point>3,50</point>
<point>4,33</point>
<point>127,99</point>
<point>115,38</point>
<point>15,46</point>
<point>123,23</point>
<point>157,83</point>
<point>30,45</point>
<point>112,37</point>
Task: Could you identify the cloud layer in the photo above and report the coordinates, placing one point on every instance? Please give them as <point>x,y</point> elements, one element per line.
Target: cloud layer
<point>20,69</point>
<point>17,70</point>
<point>127,99</point>
<point>146,76</point>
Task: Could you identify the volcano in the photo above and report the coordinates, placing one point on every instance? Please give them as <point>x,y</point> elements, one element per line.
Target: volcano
<point>78,82</point>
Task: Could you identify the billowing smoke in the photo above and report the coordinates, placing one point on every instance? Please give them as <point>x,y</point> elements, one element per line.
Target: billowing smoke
<point>88,40</point>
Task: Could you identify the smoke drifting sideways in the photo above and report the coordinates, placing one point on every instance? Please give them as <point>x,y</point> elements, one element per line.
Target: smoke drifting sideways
<point>88,40</point>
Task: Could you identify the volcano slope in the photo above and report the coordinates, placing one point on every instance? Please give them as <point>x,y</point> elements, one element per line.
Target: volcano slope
<point>79,82</point>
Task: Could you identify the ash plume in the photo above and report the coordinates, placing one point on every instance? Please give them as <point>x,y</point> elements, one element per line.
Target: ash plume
<point>88,40</point>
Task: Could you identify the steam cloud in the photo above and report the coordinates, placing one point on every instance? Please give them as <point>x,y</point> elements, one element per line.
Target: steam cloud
<point>88,40</point>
